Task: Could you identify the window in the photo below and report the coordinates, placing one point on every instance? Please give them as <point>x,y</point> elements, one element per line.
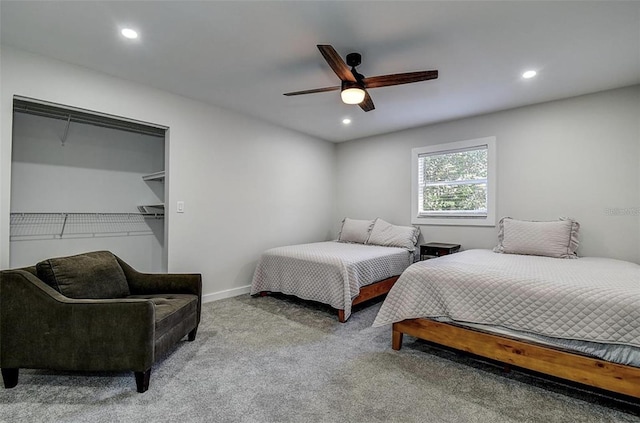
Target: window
<point>454,183</point>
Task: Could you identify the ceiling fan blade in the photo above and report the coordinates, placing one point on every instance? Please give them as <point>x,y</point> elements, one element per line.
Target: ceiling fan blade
<point>367,103</point>
<point>337,64</point>
<point>316,90</point>
<point>399,78</point>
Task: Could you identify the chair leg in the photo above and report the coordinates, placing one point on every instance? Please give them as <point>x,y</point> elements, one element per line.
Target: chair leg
<point>142,380</point>
<point>10,377</point>
<point>192,335</point>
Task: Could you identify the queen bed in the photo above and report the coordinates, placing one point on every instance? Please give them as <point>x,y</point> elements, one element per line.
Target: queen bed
<point>362,264</point>
<point>574,319</point>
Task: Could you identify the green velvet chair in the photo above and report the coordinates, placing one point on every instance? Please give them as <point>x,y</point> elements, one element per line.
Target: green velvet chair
<point>93,312</point>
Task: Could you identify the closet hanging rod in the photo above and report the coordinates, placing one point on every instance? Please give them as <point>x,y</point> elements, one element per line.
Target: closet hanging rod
<point>44,110</point>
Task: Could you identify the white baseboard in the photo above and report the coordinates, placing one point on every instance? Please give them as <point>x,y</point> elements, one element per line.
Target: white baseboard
<point>227,293</point>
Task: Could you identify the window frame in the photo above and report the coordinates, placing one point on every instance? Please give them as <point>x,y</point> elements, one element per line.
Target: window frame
<point>461,219</point>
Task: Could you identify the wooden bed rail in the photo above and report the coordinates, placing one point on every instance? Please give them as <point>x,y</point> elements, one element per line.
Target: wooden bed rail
<point>590,371</point>
<point>370,291</point>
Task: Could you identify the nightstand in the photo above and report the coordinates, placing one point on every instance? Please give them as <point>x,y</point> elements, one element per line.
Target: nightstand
<point>437,249</point>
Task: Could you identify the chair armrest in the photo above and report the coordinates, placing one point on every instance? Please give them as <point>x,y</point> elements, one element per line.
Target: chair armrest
<point>41,328</point>
<point>161,283</point>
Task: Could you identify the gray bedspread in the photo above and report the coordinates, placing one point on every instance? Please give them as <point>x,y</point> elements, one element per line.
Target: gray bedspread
<point>589,299</point>
<point>328,272</point>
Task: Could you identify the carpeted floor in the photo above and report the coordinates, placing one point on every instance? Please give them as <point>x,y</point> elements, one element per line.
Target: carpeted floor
<point>281,360</point>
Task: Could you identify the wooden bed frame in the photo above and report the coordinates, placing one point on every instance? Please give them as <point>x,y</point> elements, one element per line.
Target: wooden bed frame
<point>370,291</point>
<point>593,372</point>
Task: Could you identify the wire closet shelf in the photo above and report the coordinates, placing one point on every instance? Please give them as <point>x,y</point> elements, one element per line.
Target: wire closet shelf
<point>27,226</point>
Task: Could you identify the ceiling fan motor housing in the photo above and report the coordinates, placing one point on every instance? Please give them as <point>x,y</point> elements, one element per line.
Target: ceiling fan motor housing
<point>354,59</point>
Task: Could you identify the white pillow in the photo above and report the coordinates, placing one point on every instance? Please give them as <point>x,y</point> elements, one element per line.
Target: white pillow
<point>354,230</point>
<point>388,235</point>
<point>552,239</point>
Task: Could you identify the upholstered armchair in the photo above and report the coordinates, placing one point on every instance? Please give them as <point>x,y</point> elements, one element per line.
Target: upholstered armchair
<point>93,312</point>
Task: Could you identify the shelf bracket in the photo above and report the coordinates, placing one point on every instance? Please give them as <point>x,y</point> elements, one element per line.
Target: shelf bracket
<point>64,224</point>
<point>66,130</point>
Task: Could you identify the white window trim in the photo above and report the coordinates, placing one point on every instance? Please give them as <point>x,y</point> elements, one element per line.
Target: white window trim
<point>460,219</point>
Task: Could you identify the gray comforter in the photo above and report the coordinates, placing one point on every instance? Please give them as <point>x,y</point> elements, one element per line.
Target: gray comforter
<point>589,299</point>
<point>328,272</point>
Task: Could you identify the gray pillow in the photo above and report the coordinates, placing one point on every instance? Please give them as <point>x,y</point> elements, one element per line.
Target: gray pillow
<point>388,235</point>
<point>557,238</point>
<point>354,230</point>
<point>91,275</point>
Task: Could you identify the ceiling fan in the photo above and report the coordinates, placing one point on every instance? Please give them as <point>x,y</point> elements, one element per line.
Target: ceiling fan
<point>353,89</point>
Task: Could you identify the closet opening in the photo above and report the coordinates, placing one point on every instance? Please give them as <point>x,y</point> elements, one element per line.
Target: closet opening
<point>84,181</point>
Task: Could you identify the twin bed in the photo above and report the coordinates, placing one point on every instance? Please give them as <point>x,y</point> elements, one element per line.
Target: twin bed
<point>574,319</point>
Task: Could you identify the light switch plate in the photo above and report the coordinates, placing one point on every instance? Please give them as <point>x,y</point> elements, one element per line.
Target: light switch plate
<point>180,207</point>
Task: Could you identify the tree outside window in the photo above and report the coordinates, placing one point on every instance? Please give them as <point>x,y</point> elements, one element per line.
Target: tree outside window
<point>454,183</point>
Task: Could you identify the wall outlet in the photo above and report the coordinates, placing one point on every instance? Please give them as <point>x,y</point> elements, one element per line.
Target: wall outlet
<point>180,207</point>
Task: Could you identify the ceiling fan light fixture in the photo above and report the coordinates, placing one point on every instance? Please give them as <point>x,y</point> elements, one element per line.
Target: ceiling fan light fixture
<point>129,33</point>
<point>352,93</point>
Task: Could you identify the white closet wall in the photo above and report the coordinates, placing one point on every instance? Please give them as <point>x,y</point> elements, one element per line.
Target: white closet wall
<point>97,170</point>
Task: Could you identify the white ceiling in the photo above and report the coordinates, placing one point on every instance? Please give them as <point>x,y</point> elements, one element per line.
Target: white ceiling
<point>244,55</point>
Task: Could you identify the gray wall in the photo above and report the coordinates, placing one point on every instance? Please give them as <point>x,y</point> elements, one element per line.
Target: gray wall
<point>577,157</point>
<point>97,170</point>
<point>247,185</point>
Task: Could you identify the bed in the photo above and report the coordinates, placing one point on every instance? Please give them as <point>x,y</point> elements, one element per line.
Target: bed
<point>574,319</point>
<point>362,264</point>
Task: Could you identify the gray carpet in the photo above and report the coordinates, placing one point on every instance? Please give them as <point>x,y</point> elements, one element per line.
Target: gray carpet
<point>283,360</point>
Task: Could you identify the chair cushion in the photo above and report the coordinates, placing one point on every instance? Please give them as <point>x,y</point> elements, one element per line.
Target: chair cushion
<point>91,275</point>
<point>171,309</point>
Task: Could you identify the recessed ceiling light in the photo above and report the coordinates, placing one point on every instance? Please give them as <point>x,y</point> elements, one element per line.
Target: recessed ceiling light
<point>346,121</point>
<point>129,33</point>
<point>529,74</point>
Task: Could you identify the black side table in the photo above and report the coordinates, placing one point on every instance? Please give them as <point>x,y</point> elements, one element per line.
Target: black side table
<point>437,249</point>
